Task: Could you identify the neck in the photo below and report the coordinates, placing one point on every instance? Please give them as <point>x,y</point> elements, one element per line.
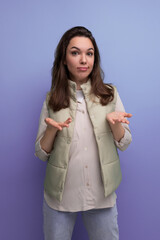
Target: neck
<point>78,86</point>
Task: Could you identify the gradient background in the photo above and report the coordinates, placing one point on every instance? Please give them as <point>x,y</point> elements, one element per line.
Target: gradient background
<point>128,36</point>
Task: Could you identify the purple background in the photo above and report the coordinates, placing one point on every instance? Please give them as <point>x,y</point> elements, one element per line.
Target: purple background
<point>128,36</point>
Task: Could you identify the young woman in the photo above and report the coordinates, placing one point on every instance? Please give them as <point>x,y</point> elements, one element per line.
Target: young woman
<point>82,124</point>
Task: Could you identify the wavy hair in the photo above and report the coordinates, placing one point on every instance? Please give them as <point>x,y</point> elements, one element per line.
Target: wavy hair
<point>59,96</point>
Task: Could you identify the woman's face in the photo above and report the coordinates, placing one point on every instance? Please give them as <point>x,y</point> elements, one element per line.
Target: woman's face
<point>79,59</point>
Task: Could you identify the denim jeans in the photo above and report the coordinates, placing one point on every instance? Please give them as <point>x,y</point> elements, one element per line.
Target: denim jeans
<point>101,224</point>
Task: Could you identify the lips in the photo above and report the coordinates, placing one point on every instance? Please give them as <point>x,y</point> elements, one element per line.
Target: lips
<point>83,69</point>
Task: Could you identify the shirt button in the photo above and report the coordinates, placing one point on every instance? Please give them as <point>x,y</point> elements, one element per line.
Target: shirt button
<point>86,166</point>
<point>87,184</point>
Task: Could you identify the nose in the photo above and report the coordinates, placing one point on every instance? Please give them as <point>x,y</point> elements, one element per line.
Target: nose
<point>83,59</point>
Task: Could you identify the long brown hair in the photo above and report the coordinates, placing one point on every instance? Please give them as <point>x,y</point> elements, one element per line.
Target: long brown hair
<point>59,93</point>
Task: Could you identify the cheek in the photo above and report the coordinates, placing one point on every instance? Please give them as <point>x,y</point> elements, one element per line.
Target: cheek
<point>71,67</point>
<point>91,61</point>
<point>70,61</point>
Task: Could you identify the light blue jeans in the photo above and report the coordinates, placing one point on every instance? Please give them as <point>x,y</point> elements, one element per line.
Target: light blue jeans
<point>101,224</point>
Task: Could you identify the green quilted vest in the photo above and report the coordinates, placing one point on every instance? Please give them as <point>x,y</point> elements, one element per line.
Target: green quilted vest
<point>57,164</point>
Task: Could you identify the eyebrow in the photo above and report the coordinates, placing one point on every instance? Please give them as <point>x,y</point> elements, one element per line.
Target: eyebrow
<point>79,49</point>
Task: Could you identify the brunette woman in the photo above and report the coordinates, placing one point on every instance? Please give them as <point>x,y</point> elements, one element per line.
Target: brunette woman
<point>82,124</point>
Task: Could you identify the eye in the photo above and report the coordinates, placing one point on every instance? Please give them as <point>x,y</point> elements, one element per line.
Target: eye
<point>74,53</point>
<point>90,53</point>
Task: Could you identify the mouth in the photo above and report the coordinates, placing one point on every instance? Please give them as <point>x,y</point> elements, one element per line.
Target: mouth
<point>82,69</point>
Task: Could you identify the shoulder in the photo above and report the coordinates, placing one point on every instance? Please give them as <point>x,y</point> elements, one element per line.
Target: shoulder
<point>114,88</point>
<point>110,86</point>
<point>44,106</point>
<point>45,103</point>
<point>48,95</point>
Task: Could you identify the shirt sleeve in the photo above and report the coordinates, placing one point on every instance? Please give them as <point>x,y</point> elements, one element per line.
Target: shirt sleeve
<point>39,152</point>
<point>127,138</point>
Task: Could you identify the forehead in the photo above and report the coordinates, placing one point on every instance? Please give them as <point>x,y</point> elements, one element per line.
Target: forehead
<point>80,42</point>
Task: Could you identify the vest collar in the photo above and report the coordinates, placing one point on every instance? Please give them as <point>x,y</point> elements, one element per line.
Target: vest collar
<point>86,87</point>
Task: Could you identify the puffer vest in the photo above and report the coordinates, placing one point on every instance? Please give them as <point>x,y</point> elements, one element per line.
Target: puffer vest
<point>57,164</point>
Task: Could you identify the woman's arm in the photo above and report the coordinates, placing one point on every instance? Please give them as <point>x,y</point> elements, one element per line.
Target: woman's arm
<point>47,133</point>
<point>120,129</point>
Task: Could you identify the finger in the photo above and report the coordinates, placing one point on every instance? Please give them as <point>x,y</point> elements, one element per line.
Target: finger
<point>69,120</point>
<point>51,123</point>
<point>125,121</point>
<point>66,123</point>
<point>128,115</point>
<point>111,120</point>
<point>121,119</point>
<point>63,125</point>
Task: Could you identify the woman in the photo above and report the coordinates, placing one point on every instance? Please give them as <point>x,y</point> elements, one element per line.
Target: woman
<point>82,124</point>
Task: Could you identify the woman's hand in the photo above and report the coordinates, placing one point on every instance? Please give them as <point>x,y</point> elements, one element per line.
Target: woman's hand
<point>118,117</point>
<point>58,125</point>
<point>50,133</point>
<point>115,119</point>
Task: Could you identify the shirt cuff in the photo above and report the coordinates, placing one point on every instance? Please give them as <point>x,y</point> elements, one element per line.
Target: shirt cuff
<point>125,141</point>
<point>39,152</point>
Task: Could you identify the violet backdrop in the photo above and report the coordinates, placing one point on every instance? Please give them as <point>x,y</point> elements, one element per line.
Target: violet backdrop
<point>128,36</point>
